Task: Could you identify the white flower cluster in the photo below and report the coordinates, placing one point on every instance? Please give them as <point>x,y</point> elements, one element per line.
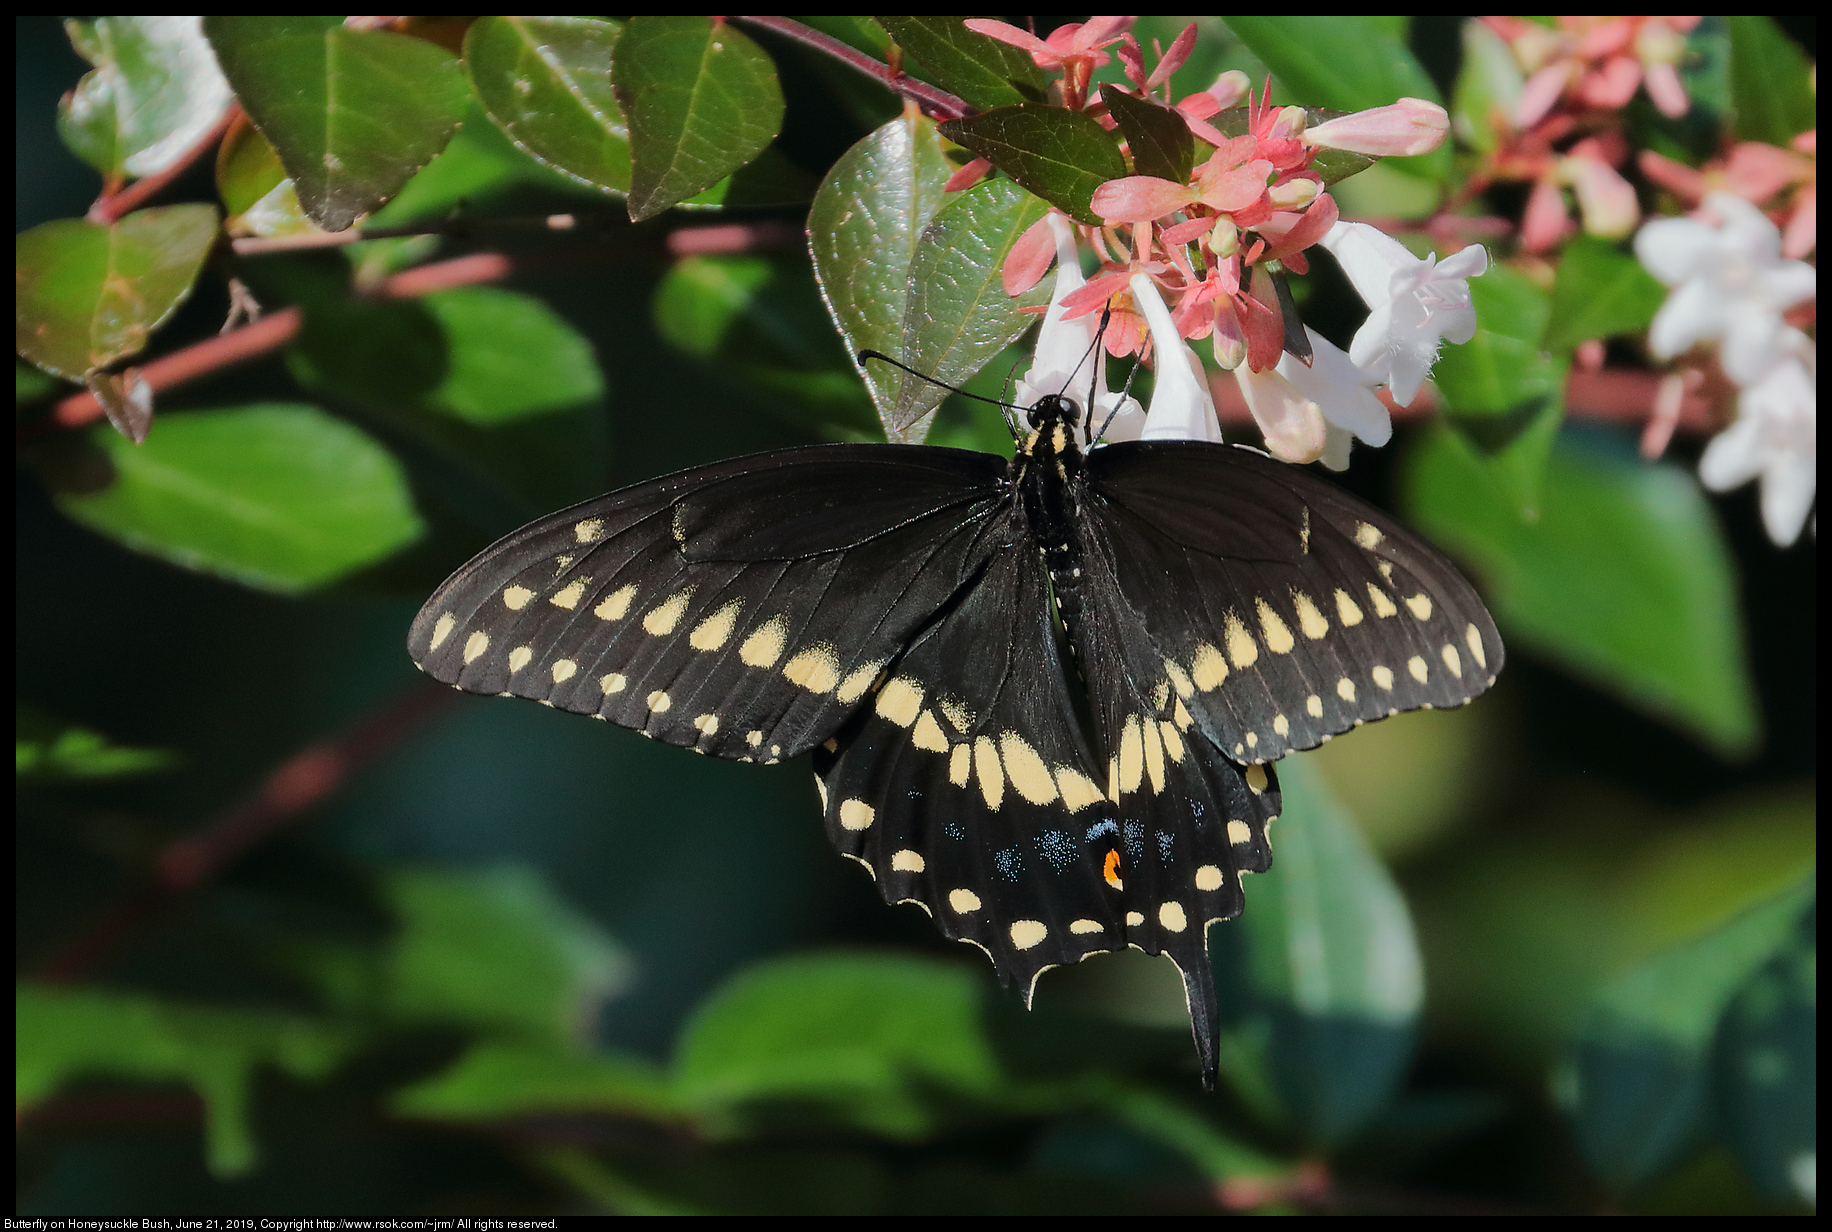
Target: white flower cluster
<point>1731,286</point>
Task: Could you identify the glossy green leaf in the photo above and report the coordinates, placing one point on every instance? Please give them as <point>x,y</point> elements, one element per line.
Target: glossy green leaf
<point>51,749</point>
<point>1347,62</point>
<point>1600,292</point>
<point>352,113</point>
<point>68,1034</point>
<point>497,1080</point>
<point>1624,578</point>
<point>1635,1082</point>
<point>1765,1069</point>
<point>701,100</point>
<point>546,82</point>
<point>256,191</point>
<point>86,295</point>
<point>508,356</point>
<point>1060,155</point>
<point>863,1037</point>
<point>983,71</point>
<point>1771,82</point>
<point>476,170</point>
<point>496,950</point>
<point>278,496</point>
<point>154,93</point>
<point>1160,141</point>
<point>1503,392</point>
<point>1320,977</point>
<point>1488,89</point>
<point>864,229</point>
<point>958,316</point>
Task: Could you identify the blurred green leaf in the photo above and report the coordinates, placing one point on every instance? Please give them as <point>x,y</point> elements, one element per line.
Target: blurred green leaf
<point>1062,156</point>
<point>1765,1069</point>
<point>495,949</point>
<point>701,100</point>
<point>1320,977</point>
<point>1415,775</point>
<point>1488,89</point>
<point>958,316</point>
<point>278,496</point>
<point>1346,62</point>
<point>770,179</point>
<point>983,71</point>
<point>862,1037</point>
<point>1160,141</point>
<point>1625,578</point>
<point>476,170</point>
<point>1600,292</point>
<point>864,229</point>
<point>508,355</point>
<point>1771,82</point>
<point>1635,1081</point>
<point>154,93</point>
<point>1503,393</point>
<point>495,1080</point>
<point>546,82</point>
<point>352,113</point>
<point>86,295</point>
<point>51,749</point>
<point>32,385</point>
<point>69,1034</point>
<point>256,191</point>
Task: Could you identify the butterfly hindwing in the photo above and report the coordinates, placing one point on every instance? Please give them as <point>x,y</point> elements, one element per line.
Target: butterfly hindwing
<point>1291,610</point>
<point>703,611</point>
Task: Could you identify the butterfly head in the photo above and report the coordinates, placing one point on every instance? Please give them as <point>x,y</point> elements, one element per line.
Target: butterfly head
<point>1052,409</point>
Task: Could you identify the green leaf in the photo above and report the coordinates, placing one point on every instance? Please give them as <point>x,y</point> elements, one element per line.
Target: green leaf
<point>1488,90</point>
<point>1321,977</point>
<point>508,356</point>
<point>1600,292</point>
<point>864,230</point>
<point>980,70</point>
<point>1765,1069</point>
<point>864,1038</point>
<point>1771,82</point>
<point>493,1081</point>
<point>86,295</point>
<point>496,950</point>
<point>1504,393</point>
<point>1635,1080</point>
<point>958,316</point>
<point>1625,578</point>
<point>68,1034</point>
<point>154,94</point>
<point>352,113</point>
<point>546,82</point>
<point>278,496</point>
<point>1346,62</point>
<point>701,100</point>
<point>477,170</point>
<point>1062,156</point>
<point>256,191</point>
<point>51,749</point>
<point>1160,141</point>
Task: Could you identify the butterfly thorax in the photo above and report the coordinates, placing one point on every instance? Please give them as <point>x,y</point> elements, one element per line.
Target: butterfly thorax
<point>1048,471</point>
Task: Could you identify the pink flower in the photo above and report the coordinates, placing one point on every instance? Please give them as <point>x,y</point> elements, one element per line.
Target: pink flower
<point>1069,47</point>
<point>1410,126</point>
<point>1597,62</point>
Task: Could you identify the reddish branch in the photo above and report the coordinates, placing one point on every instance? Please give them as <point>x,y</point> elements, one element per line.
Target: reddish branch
<point>935,102</point>
<point>110,206</point>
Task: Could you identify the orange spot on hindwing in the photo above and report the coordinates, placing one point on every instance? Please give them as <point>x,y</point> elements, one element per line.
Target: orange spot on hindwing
<point>1111,870</point>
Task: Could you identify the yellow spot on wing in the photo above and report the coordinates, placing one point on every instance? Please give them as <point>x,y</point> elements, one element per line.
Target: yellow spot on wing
<point>1208,667</point>
<point>475,645</point>
<point>1173,743</point>
<point>707,723</point>
<point>443,629</point>
<point>1239,832</point>
<point>519,657</point>
<point>908,861</point>
<point>568,596</point>
<point>616,604</point>
<point>816,669</point>
<point>1347,611</point>
<point>957,714</point>
<point>613,683</point>
<point>1160,696</point>
<point>764,646</point>
<point>1420,605</point>
<point>1172,918</point>
<point>1256,779</point>
<point>1368,536</point>
<point>1278,637</point>
<point>1383,602</point>
<point>1181,716</point>
<point>1345,689</point>
<point>1154,755</point>
<point>1180,678</point>
<point>1241,647</point>
<point>960,764</point>
<point>1028,933</point>
<point>1084,927</point>
<point>1313,706</point>
<point>1281,725</point>
<point>1132,755</point>
<point>1025,769</point>
<point>858,680</point>
<point>966,902</point>
<point>665,615</point>
<point>564,670</point>
<point>986,769</point>
<point>856,814</point>
<point>1309,618</point>
<point>753,738</point>
<point>900,701</point>
<point>1453,660</point>
<point>711,633</point>
<point>1134,918</point>
<point>928,734</point>
<point>1078,790</point>
<point>1209,877</point>
<point>1383,675</point>
<point>515,598</point>
<point>1416,665</point>
<point>1472,636</point>
<point>591,530</point>
<point>659,702</point>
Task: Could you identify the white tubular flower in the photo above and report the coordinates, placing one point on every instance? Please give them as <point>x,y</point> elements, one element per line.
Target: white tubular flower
<point>1729,283</point>
<point>1181,409</point>
<point>1292,424</point>
<point>1414,304</point>
<point>1343,393</point>
<point>1775,439</point>
<point>1066,353</point>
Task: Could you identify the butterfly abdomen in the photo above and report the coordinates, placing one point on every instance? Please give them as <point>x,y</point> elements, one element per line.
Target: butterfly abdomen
<point>1051,482</point>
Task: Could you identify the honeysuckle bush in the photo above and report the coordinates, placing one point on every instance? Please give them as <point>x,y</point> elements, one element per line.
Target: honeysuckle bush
<point>553,965</point>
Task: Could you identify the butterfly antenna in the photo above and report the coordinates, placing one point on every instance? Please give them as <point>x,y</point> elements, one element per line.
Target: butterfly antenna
<point>1125,392</point>
<point>865,355</point>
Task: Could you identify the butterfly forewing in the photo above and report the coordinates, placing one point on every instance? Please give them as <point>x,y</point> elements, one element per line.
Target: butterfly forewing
<point>1289,610</point>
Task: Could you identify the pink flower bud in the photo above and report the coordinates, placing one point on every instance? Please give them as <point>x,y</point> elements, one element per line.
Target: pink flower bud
<point>1410,126</point>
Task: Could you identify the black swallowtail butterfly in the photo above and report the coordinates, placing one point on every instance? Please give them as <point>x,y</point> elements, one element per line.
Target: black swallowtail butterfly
<point>900,612</point>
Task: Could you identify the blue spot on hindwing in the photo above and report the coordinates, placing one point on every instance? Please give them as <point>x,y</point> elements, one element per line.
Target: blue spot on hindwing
<point>1008,862</point>
<point>1132,834</point>
<point>1167,846</point>
<point>1058,848</point>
